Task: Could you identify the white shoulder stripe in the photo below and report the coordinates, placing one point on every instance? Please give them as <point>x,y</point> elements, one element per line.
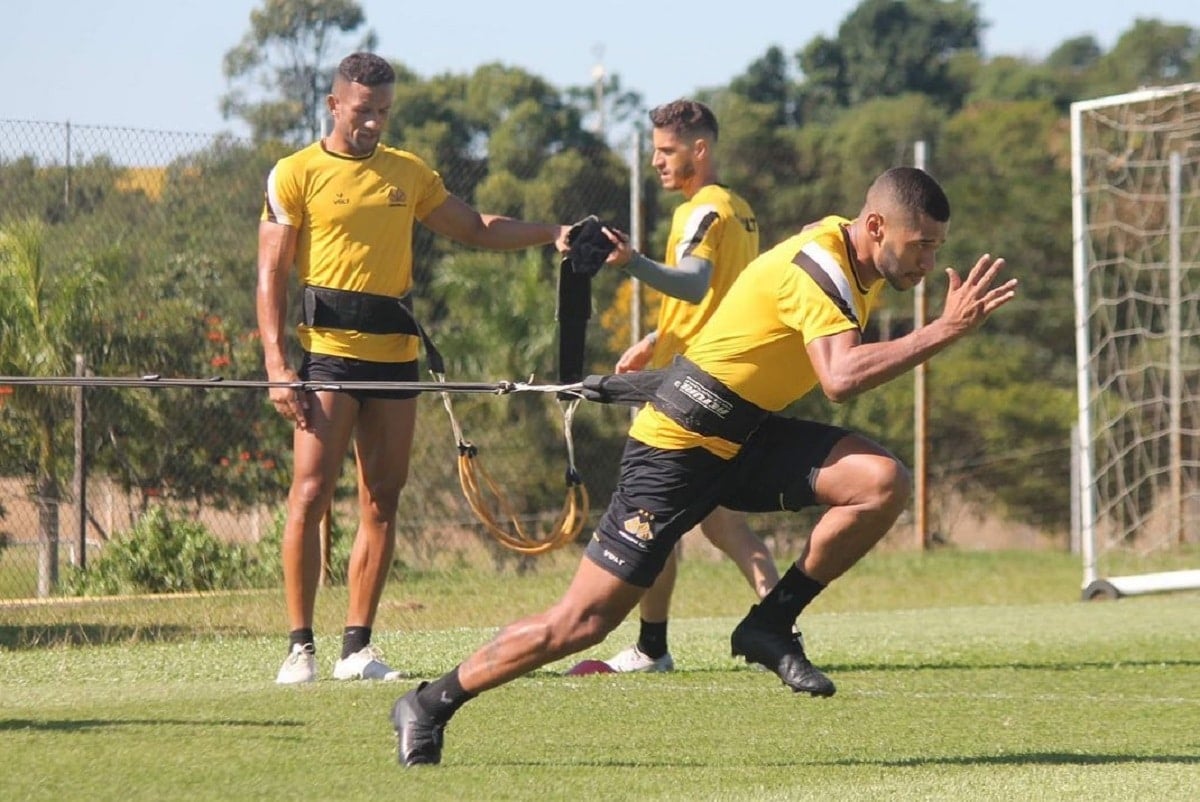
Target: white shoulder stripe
<point>830,267</point>
<point>694,229</point>
<point>278,213</point>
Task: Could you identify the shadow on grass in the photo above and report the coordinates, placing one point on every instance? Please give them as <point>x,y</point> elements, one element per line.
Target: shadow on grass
<point>39,636</point>
<point>850,668</point>
<point>78,725</point>
<point>1016,759</point>
<point>1068,665</point>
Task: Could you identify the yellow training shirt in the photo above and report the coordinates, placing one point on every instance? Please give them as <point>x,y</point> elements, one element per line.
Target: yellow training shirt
<point>801,290</point>
<point>714,224</point>
<point>355,222</point>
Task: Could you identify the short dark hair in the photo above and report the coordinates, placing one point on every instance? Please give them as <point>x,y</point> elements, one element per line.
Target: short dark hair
<point>685,118</point>
<point>914,191</point>
<point>367,69</point>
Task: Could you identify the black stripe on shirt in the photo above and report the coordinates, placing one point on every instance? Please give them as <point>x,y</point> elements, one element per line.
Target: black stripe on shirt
<point>822,279</point>
<point>705,224</point>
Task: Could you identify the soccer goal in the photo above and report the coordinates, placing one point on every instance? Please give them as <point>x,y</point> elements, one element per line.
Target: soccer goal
<point>1136,221</point>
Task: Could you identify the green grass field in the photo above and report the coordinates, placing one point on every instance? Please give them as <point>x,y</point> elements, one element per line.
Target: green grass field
<point>961,676</point>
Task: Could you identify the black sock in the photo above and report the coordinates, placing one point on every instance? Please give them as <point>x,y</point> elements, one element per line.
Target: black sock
<point>354,639</point>
<point>652,640</point>
<point>302,637</point>
<point>442,697</point>
<point>781,607</point>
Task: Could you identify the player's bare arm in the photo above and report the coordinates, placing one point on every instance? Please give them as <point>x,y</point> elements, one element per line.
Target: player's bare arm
<point>638,355</point>
<point>276,252</point>
<point>456,219</point>
<point>846,366</point>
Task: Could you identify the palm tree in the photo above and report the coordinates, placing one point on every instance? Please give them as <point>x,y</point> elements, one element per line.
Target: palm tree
<point>45,316</point>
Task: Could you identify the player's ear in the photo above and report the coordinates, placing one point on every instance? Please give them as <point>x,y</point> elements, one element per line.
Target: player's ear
<point>874,225</point>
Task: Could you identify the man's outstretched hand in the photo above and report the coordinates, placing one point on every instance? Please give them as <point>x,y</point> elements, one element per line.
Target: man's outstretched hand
<point>970,301</point>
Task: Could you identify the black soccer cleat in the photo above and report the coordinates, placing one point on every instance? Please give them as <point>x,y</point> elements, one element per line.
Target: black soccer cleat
<point>781,652</point>
<point>419,737</point>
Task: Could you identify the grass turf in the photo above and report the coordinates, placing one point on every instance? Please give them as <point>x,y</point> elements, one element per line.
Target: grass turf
<point>992,682</point>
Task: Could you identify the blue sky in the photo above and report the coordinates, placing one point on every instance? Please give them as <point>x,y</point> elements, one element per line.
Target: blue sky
<point>157,65</point>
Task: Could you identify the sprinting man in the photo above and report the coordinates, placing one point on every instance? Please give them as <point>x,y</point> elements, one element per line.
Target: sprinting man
<point>793,321</point>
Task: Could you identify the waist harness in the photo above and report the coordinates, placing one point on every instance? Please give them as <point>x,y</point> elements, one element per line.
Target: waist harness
<point>328,308</point>
<point>702,404</point>
<point>325,307</point>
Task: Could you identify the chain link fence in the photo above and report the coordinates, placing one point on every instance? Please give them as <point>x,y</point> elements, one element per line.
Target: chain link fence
<point>128,252</point>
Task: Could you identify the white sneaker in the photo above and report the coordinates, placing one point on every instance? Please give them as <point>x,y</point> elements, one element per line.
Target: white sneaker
<point>365,664</point>
<point>632,659</point>
<point>300,666</point>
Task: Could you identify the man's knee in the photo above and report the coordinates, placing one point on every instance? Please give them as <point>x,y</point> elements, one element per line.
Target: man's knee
<point>311,492</point>
<point>379,496</point>
<point>890,485</point>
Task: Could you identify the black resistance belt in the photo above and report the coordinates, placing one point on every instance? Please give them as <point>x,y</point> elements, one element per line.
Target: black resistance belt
<point>328,308</point>
<point>701,404</point>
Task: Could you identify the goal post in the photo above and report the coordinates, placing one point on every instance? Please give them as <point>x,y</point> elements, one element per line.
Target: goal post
<point>1135,181</point>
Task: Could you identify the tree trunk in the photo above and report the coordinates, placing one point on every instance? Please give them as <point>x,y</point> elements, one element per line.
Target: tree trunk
<point>47,563</point>
<point>46,489</point>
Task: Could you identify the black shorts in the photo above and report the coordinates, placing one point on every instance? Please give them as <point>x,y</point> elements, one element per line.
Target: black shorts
<point>333,369</point>
<point>661,493</point>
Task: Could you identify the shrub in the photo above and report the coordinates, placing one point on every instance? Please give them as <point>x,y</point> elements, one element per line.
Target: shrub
<point>161,555</point>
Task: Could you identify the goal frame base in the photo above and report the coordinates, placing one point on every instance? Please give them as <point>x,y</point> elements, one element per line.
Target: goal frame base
<point>1114,587</point>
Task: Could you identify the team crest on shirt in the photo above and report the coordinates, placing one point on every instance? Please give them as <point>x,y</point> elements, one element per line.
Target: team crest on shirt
<point>396,197</point>
<point>640,525</point>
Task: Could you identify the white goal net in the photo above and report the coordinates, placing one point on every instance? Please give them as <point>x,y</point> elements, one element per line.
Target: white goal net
<point>1136,196</point>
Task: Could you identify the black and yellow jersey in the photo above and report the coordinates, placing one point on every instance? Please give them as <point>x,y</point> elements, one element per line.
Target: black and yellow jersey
<point>714,224</point>
<point>801,290</point>
<point>354,218</point>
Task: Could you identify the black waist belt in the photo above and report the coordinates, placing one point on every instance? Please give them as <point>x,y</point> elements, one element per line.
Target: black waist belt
<point>701,404</point>
<point>327,308</point>
<point>632,389</point>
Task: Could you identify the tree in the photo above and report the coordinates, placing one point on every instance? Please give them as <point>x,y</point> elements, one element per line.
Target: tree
<point>1001,415</point>
<point>1011,78</point>
<point>184,308</point>
<point>1006,168</point>
<point>290,50</point>
<point>45,318</point>
<point>871,137</point>
<point>608,106</point>
<point>766,81</point>
<point>886,48</point>
<point>1151,53</point>
<point>755,156</point>
<point>1076,54</point>
<point>824,89</point>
